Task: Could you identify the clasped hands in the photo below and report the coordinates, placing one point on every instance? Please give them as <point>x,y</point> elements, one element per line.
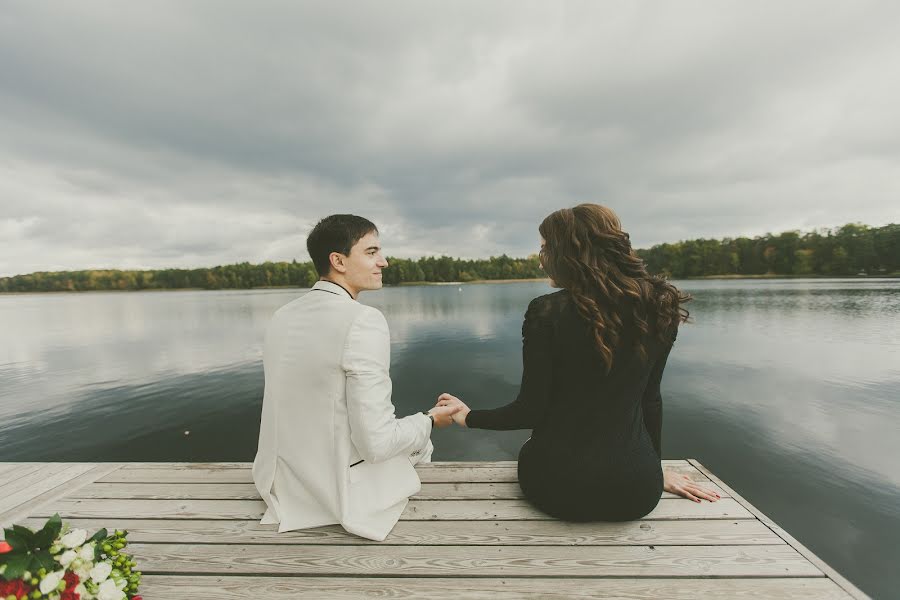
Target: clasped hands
<point>448,410</point>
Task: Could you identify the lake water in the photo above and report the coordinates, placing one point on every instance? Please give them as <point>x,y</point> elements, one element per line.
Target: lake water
<point>787,389</point>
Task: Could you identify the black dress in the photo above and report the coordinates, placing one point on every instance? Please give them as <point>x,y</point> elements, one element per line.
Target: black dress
<point>594,452</point>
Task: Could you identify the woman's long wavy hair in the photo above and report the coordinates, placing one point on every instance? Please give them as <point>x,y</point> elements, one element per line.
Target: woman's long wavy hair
<point>586,252</point>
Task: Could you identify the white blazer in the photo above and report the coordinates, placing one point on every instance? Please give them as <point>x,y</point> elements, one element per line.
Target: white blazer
<point>326,407</point>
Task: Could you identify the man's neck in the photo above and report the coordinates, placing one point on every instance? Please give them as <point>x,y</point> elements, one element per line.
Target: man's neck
<point>340,282</point>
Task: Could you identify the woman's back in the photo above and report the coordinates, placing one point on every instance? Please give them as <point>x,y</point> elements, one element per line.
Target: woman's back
<point>589,411</point>
<point>590,426</point>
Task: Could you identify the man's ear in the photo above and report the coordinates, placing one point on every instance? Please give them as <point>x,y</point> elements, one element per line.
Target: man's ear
<point>337,262</point>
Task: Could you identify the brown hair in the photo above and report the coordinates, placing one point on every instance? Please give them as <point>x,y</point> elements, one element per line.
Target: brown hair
<point>587,253</point>
<point>335,233</point>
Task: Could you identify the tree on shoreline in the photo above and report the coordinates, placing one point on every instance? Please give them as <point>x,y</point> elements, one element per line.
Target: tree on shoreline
<point>847,250</point>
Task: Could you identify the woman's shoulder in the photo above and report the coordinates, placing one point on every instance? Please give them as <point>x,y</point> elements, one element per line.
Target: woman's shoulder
<point>548,305</point>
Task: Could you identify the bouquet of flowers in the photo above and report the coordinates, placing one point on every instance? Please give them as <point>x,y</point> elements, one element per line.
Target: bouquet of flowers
<point>60,563</point>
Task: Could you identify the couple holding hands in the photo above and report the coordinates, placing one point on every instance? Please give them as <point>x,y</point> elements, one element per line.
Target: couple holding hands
<point>331,449</point>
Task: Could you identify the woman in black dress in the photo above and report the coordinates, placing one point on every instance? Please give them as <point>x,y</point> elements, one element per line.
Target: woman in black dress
<point>593,357</point>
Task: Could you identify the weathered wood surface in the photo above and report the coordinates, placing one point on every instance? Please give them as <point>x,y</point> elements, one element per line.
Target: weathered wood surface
<point>416,510</point>
<point>449,533</point>
<point>344,588</point>
<point>247,491</point>
<point>28,486</point>
<point>469,533</point>
<point>479,561</point>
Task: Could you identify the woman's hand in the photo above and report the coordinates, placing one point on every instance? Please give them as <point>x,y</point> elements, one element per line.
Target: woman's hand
<point>682,485</point>
<point>459,417</point>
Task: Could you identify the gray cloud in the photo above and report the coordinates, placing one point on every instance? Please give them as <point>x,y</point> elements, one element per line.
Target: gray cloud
<point>200,133</point>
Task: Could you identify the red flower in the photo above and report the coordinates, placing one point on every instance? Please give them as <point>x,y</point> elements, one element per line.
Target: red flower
<point>69,595</point>
<point>136,598</point>
<point>71,580</point>
<point>16,588</point>
<point>4,547</point>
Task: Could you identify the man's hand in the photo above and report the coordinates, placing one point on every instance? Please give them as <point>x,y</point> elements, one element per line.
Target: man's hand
<point>443,415</point>
<point>462,411</point>
<point>685,487</point>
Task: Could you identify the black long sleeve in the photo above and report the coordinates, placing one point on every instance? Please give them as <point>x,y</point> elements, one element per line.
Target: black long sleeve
<point>589,456</point>
<point>651,403</point>
<point>534,392</point>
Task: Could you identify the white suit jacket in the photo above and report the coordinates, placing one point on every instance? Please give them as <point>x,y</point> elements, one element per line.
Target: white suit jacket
<point>330,447</point>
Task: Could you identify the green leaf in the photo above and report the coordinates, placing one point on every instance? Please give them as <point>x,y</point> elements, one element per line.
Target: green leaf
<point>25,534</point>
<point>43,559</point>
<point>16,566</point>
<point>99,536</point>
<point>54,524</point>
<point>18,543</point>
<point>45,537</point>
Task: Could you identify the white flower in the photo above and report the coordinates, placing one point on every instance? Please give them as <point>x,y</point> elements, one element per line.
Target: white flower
<point>66,558</point>
<point>87,552</point>
<point>74,538</point>
<point>101,571</point>
<point>51,581</point>
<point>109,591</point>
<point>82,591</point>
<point>83,571</point>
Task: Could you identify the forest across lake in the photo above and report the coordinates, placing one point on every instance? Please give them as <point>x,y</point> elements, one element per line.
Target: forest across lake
<point>853,249</point>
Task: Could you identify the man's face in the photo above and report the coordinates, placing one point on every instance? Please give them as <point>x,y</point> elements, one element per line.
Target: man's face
<point>364,265</point>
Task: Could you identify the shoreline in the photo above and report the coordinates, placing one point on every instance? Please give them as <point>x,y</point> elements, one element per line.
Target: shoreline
<point>862,277</point>
<point>444,283</point>
<point>527,279</point>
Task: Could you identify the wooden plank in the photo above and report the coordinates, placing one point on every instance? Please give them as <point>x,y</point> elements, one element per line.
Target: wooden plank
<point>174,466</point>
<point>6,467</point>
<point>839,579</point>
<point>14,471</point>
<point>157,475</point>
<point>444,464</point>
<point>14,488</point>
<point>247,491</point>
<point>35,505</point>
<point>466,510</point>
<point>34,484</point>
<point>347,588</point>
<point>477,561</point>
<point>505,474</point>
<point>449,533</point>
<point>418,510</point>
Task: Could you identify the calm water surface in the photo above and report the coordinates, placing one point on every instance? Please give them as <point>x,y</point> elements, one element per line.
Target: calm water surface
<point>787,389</point>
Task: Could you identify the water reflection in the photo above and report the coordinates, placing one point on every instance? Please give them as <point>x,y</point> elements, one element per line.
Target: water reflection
<point>787,389</point>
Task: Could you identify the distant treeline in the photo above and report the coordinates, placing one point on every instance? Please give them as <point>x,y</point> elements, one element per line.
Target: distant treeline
<point>269,274</point>
<point>847,250</point>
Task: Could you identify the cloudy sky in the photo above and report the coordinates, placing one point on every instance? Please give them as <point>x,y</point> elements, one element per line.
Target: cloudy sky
<point>194,133</point>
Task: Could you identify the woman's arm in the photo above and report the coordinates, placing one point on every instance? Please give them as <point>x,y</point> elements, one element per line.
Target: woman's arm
<point>534,392</point>
<point>674,483</point>
<point>651,402</point>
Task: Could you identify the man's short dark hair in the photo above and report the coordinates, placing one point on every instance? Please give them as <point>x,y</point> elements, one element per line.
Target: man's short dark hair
<point>335,233</point>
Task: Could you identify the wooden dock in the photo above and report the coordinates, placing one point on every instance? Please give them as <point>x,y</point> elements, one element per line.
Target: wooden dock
<point>195,532</point>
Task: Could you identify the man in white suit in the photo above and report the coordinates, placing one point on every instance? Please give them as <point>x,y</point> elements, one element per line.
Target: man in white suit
<point>330,448</point>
